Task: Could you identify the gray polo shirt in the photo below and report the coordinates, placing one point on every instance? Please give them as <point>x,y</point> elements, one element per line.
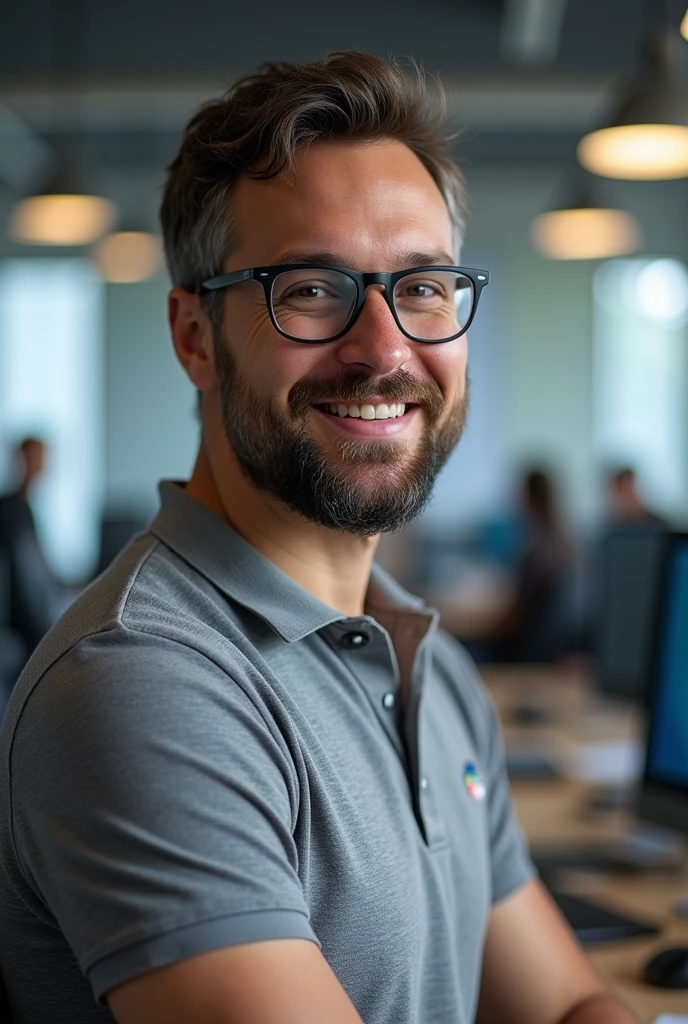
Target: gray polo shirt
<point>200,753</point>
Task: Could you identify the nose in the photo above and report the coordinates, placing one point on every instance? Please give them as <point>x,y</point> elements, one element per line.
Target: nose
<point>375,342</point>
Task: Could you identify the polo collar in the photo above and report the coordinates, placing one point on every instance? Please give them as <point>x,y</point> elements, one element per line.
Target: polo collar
<point>218,552</point>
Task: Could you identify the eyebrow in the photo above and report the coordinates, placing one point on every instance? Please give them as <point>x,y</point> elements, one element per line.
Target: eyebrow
<point>403,261</point>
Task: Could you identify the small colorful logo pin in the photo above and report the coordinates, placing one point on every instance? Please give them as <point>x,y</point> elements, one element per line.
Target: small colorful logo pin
<point>474,784</point>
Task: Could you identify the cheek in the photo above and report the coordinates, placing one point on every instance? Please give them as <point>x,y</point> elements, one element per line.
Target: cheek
<point>273,363</point>
<point>446,364</point>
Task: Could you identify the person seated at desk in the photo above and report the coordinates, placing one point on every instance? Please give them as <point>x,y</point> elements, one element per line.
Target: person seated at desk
<point>540,625</point>
<point>625,506</point>
<point>32,590</point>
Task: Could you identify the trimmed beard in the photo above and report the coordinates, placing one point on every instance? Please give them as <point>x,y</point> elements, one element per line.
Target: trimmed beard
<point>278,455</point>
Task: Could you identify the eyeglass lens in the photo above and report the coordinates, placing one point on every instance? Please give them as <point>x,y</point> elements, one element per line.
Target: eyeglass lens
<point>313,305</point>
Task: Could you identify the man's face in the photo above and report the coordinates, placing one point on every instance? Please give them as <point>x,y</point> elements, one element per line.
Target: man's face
<point>370,208</point>
<point>34,456</point>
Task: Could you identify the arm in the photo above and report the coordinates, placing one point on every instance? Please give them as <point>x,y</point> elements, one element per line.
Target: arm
<point>287,981</point>
<point>534,971</point>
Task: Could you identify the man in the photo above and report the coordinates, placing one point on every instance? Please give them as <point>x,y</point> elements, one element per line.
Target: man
<point>625,505</point>
<point>249,780</point>
<point>32,591</point>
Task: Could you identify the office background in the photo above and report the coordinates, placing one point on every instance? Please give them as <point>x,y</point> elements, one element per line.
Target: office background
<point>578,365</point>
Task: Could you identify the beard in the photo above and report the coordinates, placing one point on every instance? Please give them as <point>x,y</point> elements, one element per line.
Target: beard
<point>376,486</point>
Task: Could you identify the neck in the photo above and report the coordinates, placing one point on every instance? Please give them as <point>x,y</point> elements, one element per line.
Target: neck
<point>334,567</point>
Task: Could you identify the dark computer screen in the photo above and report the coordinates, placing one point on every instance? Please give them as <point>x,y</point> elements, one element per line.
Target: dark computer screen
<point>626,570</point>
<point>664,791</point>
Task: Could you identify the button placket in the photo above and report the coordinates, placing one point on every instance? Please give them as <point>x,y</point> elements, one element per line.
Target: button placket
<point>369,655</point>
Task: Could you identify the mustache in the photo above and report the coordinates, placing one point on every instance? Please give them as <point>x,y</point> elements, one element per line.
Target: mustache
<point>357,386</point>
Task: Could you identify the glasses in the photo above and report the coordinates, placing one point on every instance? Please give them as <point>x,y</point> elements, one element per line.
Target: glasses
<point>310,303</point>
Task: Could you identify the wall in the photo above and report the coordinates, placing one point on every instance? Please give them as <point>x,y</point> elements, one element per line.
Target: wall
<point>150,428</point>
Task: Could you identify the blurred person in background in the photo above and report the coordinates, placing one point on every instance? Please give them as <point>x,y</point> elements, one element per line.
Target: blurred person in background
<point>625,506</point>
<point>221,805</point>
<point>31,591</point>
<point>540,625</point>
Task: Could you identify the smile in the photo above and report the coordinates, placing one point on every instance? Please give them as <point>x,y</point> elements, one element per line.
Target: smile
<point>365,411</point>
<point>368,419</point>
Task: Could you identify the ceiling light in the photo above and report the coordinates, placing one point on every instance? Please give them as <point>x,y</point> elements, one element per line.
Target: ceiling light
<point>127,257</point>
<point>585,233</point>
<point>61,219</point>
<point>647,139</point>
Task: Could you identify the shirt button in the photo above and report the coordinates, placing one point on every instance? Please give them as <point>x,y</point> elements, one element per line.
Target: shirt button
<point>424,782</point>
<point>354,639</point>
<point>388,701</point>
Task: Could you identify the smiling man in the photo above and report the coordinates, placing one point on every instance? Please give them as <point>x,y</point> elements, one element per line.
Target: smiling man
<point>247,779</point>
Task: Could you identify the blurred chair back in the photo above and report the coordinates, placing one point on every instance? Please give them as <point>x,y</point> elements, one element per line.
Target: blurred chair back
<point>115,533</point>
<point>5,1011</point>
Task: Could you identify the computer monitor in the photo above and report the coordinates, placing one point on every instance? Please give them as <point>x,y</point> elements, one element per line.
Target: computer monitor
<point>627,567</point>
<point>663,795</point>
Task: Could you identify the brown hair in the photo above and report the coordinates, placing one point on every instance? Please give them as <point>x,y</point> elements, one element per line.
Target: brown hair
<point>265,118</point>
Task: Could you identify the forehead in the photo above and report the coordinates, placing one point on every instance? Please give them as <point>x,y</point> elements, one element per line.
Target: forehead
<point>367,202</point>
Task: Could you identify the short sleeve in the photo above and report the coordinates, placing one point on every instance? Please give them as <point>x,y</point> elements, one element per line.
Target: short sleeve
<point>153,808</point>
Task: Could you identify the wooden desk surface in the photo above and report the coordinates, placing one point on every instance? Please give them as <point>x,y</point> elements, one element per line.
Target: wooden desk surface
<point>556,811</point>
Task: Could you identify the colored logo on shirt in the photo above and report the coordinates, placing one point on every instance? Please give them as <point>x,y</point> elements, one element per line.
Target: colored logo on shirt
<point>474,784</point>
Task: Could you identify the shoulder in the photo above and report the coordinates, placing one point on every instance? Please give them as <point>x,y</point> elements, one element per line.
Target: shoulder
<point>147,651</point>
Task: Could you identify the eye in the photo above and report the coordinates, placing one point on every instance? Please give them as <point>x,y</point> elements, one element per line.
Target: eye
<point>422,290</point>
<point>308,291</point>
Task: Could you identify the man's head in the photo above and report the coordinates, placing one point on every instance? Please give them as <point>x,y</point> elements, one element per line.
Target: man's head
<point>624,499</point>
<point>32,457</point>
<point>333,163</point>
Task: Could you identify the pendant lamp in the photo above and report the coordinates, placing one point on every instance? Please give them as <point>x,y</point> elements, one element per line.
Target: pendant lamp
<point>128,257</point>
<point>581,228</point>
<point>647,137</point>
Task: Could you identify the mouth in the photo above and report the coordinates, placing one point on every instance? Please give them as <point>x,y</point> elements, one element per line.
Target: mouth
<point>374,419</point>
<point>366,410</point>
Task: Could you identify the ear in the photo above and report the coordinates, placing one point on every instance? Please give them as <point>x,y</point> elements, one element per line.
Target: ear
<point>192,337</point>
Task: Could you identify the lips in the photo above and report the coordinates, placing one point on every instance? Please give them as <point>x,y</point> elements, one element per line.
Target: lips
<point>372,427</point>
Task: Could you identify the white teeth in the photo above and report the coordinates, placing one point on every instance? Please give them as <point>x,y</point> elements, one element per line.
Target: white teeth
<point>368,412</point>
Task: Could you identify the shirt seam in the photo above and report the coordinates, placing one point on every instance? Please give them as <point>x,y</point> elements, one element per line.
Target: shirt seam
<point>100,958</point>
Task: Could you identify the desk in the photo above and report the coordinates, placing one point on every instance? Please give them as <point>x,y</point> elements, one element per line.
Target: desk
<point>555,811</point>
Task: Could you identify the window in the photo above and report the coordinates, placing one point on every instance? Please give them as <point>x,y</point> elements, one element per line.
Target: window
<point>640,373</point>
<point>51,386</point>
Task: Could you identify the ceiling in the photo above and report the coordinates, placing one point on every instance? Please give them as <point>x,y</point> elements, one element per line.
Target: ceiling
<point>112,83</point>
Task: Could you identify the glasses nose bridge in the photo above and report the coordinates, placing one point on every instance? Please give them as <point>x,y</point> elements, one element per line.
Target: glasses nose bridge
<point>382,279</point>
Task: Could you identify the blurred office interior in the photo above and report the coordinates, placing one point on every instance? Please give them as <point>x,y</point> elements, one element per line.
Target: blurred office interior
<point>544,539</point>
<point>578,366</point>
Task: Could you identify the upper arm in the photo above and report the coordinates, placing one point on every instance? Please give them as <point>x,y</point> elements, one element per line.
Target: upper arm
<point>282,982</point>
<point>534,970</point>
<point>153,809</point>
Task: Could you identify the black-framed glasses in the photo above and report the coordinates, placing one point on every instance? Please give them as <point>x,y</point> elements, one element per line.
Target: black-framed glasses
<point>313,303</point>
